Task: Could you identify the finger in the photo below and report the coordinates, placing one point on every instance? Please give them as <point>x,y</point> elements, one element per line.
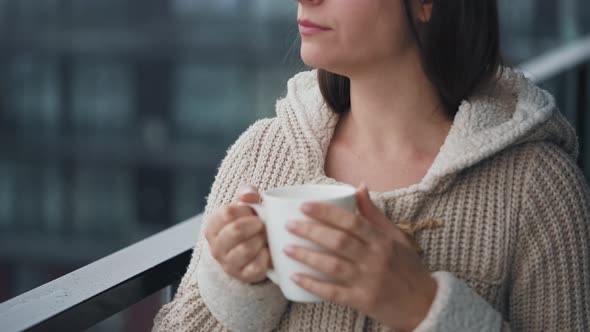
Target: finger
<point>334,239</point>
<point>245,252</point>
<point>224,216</point>
<point>249,194</point>
<point>333,266</point>
<point>340,218</point>
<point>236,232</point>
<point>326,290</point>
<point>256,269</point>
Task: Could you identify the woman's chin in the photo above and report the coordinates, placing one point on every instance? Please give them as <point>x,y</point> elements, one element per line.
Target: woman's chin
<point>324,57</point>
<point>315,59</point>
<point>309,56</point>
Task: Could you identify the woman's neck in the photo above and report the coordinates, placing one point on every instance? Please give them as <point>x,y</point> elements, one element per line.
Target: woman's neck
<point>394,109</point>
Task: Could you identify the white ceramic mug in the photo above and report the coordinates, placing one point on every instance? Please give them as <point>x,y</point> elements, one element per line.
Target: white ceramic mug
<point>281,205</point>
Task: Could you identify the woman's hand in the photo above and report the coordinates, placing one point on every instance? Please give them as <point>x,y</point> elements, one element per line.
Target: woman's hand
<point>375,267</point>
<point>237,239</point>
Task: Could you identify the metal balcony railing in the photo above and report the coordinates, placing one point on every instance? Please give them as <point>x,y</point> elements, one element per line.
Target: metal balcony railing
<point>101,289</point>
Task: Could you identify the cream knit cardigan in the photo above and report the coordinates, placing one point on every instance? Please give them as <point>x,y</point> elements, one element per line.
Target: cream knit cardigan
<point>513,249</point>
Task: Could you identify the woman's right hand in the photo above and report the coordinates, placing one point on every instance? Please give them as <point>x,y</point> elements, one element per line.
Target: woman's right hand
<point>237,239</point>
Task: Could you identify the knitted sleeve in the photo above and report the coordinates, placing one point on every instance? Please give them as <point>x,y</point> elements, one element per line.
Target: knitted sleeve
<point>208,299</point>
<point>549,285</point>
<point>551,276</point>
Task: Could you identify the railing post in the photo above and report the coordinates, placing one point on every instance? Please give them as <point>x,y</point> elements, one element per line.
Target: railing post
<point>171,291</point>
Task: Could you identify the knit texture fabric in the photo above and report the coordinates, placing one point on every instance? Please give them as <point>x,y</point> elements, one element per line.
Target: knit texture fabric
<point>511,251</point>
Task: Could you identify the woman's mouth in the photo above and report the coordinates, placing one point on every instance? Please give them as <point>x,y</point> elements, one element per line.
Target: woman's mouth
<point>307,27</point>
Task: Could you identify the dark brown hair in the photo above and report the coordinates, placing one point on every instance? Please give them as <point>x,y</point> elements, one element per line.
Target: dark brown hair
<point>459,47</point>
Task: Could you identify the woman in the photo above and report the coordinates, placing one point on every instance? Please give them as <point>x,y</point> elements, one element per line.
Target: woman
<point>472,161</point>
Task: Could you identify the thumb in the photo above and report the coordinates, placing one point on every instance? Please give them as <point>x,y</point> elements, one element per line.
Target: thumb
<point>364,204</point>
<point>368,210</point>
<point>248,194</point>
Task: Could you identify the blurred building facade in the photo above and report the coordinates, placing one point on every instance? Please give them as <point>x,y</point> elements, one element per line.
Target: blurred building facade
<point>115,114</point>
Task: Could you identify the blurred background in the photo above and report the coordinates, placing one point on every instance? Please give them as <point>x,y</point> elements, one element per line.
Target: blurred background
<point>115,114</point>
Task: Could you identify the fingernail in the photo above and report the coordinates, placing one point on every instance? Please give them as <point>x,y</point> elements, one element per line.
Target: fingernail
<point>289,249</point>
<point>296,278</point>
<point>363,186</point>
<point>291,225</point>
<point>248,190</point>
<point>307,207</point>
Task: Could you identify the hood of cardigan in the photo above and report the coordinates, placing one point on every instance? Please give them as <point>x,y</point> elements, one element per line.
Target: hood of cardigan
<point>514,111</point>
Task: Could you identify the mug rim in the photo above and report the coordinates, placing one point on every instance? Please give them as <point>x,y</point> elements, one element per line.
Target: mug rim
<point>272,193</point>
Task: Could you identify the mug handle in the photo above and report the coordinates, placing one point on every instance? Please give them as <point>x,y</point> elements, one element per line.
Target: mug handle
<point>259,208</point>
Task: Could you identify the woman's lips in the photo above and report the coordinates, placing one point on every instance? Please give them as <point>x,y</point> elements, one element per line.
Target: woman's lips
<point>307,27</point>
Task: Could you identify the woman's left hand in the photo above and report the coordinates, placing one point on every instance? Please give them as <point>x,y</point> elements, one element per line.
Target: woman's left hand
<point>376,269</point>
